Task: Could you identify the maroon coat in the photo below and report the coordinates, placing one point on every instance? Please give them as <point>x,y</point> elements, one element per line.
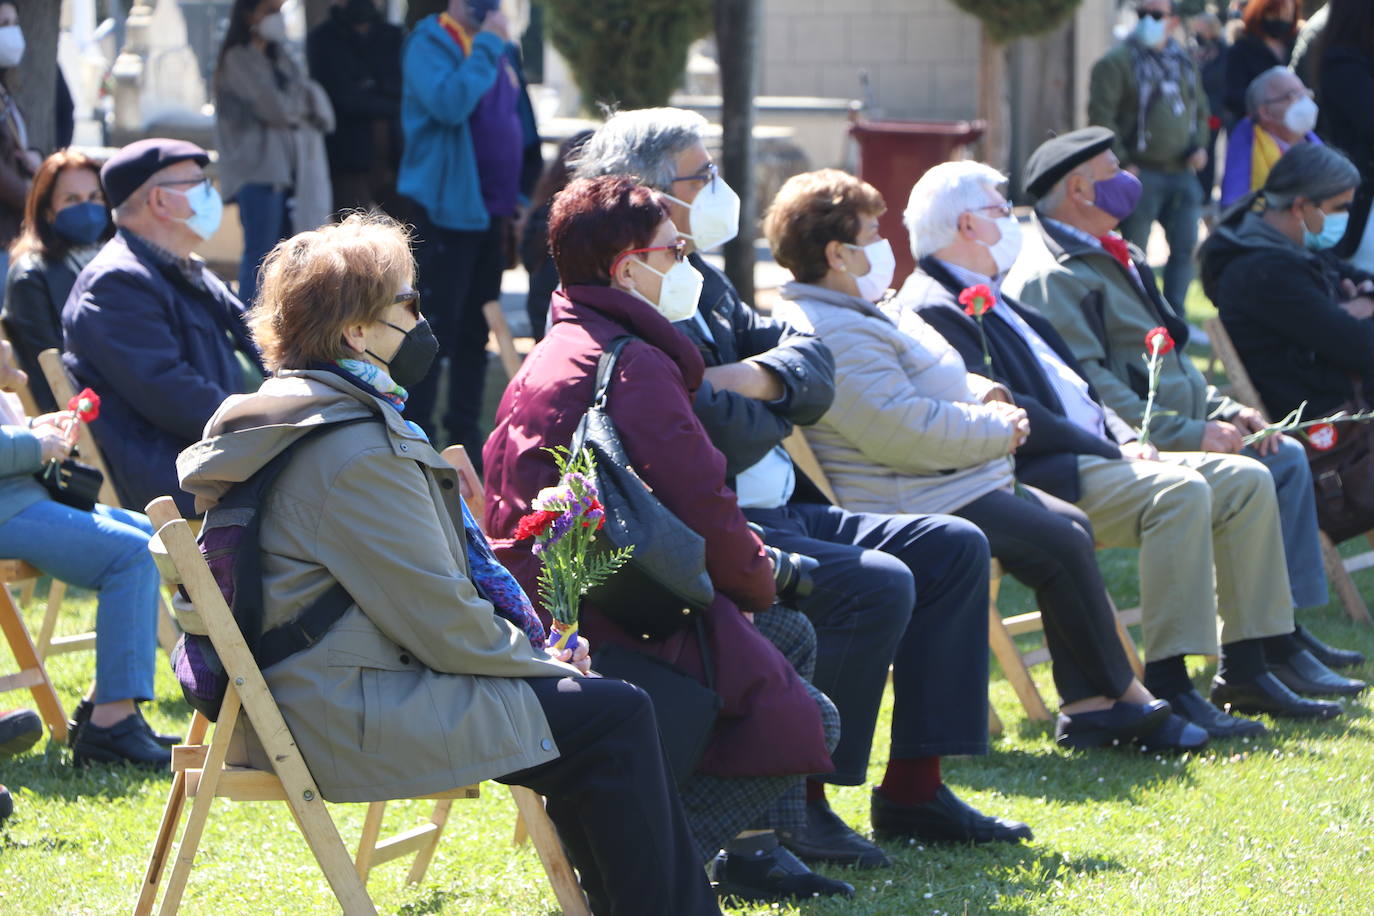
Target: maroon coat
<point>769,725</point>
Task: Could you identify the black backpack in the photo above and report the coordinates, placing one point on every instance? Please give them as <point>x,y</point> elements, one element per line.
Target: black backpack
<point>229,541</point>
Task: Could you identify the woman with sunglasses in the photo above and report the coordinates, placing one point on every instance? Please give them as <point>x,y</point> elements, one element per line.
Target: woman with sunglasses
<point>622,264</point>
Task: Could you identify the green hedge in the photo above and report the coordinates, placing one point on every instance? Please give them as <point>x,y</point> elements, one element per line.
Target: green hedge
<point>1006,20</point>
<point>626,53</point>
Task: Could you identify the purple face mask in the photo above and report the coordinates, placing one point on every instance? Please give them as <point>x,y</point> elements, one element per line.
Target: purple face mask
<point>1118,195</point>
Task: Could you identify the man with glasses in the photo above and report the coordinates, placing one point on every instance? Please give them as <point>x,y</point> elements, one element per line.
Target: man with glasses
<point>149,327</point>
<point>1149,91</point>
<point>1280,113</point>
<point>883,581</point>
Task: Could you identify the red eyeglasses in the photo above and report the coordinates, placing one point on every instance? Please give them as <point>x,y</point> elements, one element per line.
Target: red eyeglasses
<point>678,248</point>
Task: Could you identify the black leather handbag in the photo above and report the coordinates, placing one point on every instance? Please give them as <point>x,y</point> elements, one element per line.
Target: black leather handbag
<point>685,709</point>
<point>72,483</point>
<point>1343,472</point>
<point>664,584</point>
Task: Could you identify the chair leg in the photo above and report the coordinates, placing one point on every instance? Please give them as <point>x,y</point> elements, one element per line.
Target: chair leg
<point>522,833</point>
<point>167,630</point>
<point>439,818</point>
<point>56,592</point>
<point>31,674</point>
<point>367,844</point>
<point>550,849</point>
<point>1014,667</point>
<point>166,831</point>
<point>26,592</point>
<point>1340,580</point>
<point>994,721</point>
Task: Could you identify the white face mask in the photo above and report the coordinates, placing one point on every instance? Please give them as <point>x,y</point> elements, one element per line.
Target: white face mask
<point>1301,116</point>
<point>1008,246</point>
<point>714,217</point>
<point>272,28</point>
<point>11,46</point>
<point>679,292</point>
<point>882,264</point>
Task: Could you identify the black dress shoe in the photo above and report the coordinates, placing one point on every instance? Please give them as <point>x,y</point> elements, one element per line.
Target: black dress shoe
<point>82,714</point>
<point>127,741</point>
<point>6,804</point>
<point>1110,727</point>
<point>1174,734</point>
<point>1267,693</point>
<point>1303,674</point>
<point>773,875</point>
<point>20,730</point>
<point>1329,656</point>
<point>1195,708</point>
<point>827,838</point>
<point>945,819</point>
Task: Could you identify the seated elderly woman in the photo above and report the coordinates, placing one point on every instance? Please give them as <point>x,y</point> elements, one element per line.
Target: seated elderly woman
<point>624,273</point>
<point>911,430</point>
<point>1299,317</point>
<point>438,674</point>
<point>1281,113</point>
<point>105,549</point>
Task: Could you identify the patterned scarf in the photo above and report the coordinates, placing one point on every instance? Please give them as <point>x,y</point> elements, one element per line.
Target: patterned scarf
<point>1162,74</point>
<point>492,580</point>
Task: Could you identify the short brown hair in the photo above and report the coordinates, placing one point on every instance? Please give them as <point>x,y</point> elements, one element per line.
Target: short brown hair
<point>315,284</point>
<point>812,210</point>
<point>37,234</point>
<point>1257,10</point>
<point>594,219</point>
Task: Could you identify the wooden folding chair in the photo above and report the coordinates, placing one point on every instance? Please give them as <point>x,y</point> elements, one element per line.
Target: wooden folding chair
<point>32,676</point>
<point>63,390</point>
<point>503,338</point>
<point>204,772</point>
<point>1243,389</point>
<point>1015,664</point>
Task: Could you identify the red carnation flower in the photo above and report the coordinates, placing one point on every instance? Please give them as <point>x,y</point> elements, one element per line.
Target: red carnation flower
<point>1158,340</point>
<point>534,524</point>
<point>977,300</point>
<point>1323,437</point>
<point>85,405</point>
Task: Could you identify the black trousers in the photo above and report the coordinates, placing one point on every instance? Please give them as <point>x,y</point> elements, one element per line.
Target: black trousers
<point>1047,544</point>
<point>458,273</point>
<point>613,800</point>
<point>910,591</point>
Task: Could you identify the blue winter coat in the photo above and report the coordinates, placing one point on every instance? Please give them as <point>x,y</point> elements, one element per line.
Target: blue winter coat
<point>161,355</point>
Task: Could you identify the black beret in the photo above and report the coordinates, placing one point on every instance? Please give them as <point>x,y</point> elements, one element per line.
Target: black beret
<point>1058,156</point>
<point>127,169</point>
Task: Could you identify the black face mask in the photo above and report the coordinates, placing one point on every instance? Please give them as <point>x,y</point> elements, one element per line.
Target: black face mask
<point>412,360</point>
<point>359,12</point>
<point>1278,29</point>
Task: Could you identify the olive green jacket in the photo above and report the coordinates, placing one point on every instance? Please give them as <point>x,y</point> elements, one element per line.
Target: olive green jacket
<point>1103,314</point>
<point>1114,102</point>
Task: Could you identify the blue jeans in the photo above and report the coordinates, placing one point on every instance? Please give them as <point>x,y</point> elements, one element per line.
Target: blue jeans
<point>1175,200</point>
<point>1298,519</point>
<point>262,212</point>
<point>105,550</point>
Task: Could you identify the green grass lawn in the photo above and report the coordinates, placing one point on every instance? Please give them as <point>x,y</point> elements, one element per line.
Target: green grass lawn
<point>1281,825</point>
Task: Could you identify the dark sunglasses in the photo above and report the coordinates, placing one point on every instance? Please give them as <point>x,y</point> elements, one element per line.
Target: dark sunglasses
<point>410,295</point>
<point>1153,14</point>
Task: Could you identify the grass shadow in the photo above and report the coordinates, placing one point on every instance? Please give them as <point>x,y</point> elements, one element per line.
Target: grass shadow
<point>1108,774</point>
<point>50,774</point>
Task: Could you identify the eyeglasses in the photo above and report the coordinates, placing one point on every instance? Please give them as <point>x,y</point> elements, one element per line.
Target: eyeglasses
<point>1153,14</point>
<point>411,296</point>
<point>678,248</point>
<point>1292,96</point>
<point>708,174</point>
<point>186,181</point>
<point>1002,209</point>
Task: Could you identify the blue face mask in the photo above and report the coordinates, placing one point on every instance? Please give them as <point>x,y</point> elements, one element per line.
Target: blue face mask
<point>1151,31</point>
<point>206,209</point>
<point>1332,231</point>
<point>82,224</point>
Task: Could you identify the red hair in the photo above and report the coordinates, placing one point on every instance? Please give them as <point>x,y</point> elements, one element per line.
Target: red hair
<point>594,219</point>
<point>1257,10</point>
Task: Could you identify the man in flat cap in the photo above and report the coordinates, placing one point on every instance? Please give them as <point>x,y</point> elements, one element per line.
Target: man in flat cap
<point>1148,90</point>
<point>147,326</point>
<point>1101,297</point>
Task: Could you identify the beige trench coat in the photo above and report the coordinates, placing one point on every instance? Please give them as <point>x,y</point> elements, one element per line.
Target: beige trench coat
<point>418,687</point>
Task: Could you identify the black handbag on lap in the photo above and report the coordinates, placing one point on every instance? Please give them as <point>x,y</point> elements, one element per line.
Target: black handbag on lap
<point>72,483</point>
<point>686,711</point>
<point>664,584</point>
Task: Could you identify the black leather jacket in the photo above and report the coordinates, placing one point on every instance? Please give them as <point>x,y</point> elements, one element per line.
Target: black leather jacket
<point>35,291</point>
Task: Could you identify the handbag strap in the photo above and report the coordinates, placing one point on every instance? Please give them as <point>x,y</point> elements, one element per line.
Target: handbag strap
<point>708,668</point>
<point>605,367</point>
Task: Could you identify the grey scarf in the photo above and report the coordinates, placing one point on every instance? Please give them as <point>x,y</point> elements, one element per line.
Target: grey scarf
<point>1165,75</point>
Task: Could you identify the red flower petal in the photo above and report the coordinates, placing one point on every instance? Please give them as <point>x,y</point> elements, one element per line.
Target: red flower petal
<point>534,524</point>
<point>977,300</point>
<point>1158,338</point>
<point>85,405</point>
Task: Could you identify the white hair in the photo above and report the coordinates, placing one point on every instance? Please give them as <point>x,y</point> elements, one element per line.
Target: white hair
<point>945,193</point>
<point>643,144</point>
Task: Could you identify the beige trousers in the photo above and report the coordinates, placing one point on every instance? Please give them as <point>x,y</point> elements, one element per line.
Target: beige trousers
<point>1207,526</point>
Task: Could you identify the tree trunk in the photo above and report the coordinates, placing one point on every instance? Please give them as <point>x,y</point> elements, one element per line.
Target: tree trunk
<point>34,81</point>
<point>1042,92</point>
<point>992,103</point>
<point>737,30</point>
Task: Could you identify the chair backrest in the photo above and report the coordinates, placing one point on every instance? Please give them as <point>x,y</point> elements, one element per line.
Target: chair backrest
<point>62,391</point>
<point>25,395</point>
<point>1242,388</point>
<point>800,452</point>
